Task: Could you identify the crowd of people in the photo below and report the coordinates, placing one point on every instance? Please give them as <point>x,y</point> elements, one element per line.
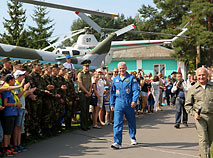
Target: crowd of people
<point>37,98</point>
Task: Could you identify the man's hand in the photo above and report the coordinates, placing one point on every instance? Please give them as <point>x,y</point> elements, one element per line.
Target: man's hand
<point>50,87</point>
<point>18,104</point>
<point>57,95</point>
<point>63,87</point>
<point>196,116</point>
<point>33,97</point>
<point>88,94</point>
<point>26,86</point>
<point>133,105</point>
<point>62,101</point>
<point>112,108</point>
<point>2,107</point>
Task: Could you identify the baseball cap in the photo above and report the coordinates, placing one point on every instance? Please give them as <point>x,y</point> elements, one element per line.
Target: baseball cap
<point>99,70</point>
<point>68,56</point>
<point>18,73</point>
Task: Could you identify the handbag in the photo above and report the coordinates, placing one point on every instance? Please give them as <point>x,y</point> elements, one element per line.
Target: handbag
<point>93,99</point>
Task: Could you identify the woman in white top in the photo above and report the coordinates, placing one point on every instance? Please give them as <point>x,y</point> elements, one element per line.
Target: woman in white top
<point>155,91</point>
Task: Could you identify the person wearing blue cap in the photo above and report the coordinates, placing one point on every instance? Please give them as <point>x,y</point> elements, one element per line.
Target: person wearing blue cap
<point>69,65</point>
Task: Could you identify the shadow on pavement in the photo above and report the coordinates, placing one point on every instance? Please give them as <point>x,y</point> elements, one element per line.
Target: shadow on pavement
<point>76,142</point>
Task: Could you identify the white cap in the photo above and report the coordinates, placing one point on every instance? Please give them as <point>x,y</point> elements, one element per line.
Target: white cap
<point>99,70</point>
<point>18,73</point>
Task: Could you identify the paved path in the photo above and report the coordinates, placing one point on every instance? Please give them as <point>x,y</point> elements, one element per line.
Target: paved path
<point>156,137</point>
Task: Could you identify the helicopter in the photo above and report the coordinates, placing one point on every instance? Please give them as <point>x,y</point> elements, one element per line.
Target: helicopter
<point>87,46</point>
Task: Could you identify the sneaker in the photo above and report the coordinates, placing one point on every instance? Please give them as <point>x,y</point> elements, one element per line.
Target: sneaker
<point>107,123</point>
<point>22,148</point>
<point>17,149</point>
<point>116,146</point>
<point>185,125</point>
<point>8,153</point>
<point>133,142</point>
<point>177,126</point>
<point>13,150</point>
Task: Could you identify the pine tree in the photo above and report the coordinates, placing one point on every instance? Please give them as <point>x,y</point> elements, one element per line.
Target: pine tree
<point>38,35</point>
<point>15,34</point>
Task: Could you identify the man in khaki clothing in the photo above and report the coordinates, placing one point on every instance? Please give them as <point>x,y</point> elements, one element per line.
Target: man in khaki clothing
<point>200,98</point>
<point>85,90</point>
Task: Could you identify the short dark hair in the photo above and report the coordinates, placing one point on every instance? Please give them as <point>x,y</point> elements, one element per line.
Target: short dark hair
<point>8,77</point>
<point>179,73</point>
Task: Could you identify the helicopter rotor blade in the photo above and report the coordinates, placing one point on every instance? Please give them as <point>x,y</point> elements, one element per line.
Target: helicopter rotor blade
<point>52,45</point>
<point>58,6</point>
<point>90,22</point>
<point>145,32</point>
<point>58,35</point>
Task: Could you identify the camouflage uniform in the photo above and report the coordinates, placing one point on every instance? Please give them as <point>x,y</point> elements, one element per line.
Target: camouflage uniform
<point>4,71</point>
<point>57,103</point>
<point>47,109</point>
<point>36,106</point>
<point>61,81</point>
<point>69,108</point>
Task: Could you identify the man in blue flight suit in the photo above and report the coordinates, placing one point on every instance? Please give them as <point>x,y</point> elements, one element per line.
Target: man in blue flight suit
<point>123,97</point>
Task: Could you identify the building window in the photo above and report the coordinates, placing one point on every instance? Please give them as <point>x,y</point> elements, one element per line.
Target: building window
<point>159,68</point>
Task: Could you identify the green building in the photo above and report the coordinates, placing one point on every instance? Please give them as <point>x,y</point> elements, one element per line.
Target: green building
<point>152,59</point>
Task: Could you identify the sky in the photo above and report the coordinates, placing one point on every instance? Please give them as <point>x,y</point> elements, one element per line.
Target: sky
<point>63,19</point>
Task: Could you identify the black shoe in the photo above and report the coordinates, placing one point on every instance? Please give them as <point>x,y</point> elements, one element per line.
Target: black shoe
<point>88,128</point>
<point>185,125</point>
<point>177,126</point>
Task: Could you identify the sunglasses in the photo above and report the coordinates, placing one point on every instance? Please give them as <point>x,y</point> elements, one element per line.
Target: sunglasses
<point>115,71</point>
<point>110,74</point>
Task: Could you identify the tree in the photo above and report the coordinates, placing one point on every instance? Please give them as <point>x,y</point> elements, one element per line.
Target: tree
<point>15,35</point>
<point>38,36</point>
<point>177,13</point>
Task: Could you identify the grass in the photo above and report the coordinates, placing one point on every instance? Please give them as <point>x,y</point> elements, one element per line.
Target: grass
<point>212,152</point>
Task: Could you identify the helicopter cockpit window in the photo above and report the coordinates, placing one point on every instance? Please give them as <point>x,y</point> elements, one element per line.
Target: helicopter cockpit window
<point>75,52</point>
<point>65,52</point>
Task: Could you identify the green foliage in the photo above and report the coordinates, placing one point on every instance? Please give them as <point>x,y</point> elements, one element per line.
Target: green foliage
<point>15,35</point>
<point>177,13</point>
<point>38,35</point>
<point>66,43</point>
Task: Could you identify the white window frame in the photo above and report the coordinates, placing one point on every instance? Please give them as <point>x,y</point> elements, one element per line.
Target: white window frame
<point>159,68</point>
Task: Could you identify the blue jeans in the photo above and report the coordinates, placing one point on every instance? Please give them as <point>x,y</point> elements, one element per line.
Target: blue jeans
<point>168,94</point>
<point>179,109</point>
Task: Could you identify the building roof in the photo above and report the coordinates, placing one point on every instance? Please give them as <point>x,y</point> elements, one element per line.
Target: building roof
<point>149,52</point>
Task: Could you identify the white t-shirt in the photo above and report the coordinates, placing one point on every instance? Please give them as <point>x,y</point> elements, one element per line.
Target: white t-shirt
<point>100,86</point>
<point>69,66</point>
<point>22,99</point>
<point>155,86</point>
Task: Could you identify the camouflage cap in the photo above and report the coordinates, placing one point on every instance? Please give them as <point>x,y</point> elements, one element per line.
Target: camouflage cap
<point>16,62</point>
<point>5,60</point>
<point>54,65</point>
<point>35,61</point>
<point>25,68</point>
<point>46,65</point>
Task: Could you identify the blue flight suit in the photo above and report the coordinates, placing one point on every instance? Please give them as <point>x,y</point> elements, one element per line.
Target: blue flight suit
<point>122,94</point>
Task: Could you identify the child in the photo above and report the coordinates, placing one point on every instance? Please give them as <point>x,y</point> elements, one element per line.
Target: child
<point>107,105</point>
<point>11,102</point>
